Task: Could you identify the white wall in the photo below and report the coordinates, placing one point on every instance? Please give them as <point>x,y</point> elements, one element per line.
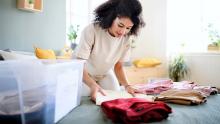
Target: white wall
<point>152,39</point>
<point>204,68</point>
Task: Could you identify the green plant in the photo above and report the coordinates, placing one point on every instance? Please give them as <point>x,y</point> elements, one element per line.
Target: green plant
<point>213,35</point>
<point>72,35</point>
<point>178,68</point>
<point>31,1</point>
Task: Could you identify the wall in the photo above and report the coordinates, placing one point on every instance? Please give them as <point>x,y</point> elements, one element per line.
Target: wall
<point>152,39</point>
<point>204,68</point>
<point>20,30</point>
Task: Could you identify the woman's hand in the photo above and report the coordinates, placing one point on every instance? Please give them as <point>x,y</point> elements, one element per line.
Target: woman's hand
<point>94,90</point>
<point>132,90</point>
<point>120,74</point>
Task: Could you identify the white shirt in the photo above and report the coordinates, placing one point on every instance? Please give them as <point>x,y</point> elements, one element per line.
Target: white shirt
<point>101,50</point>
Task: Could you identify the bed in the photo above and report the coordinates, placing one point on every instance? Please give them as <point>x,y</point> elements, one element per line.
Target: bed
<point>207,113</point>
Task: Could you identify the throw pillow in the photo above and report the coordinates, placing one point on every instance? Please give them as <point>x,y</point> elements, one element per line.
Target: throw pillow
<point>146,62</point>
<point>1,58</point>
<point>44,54</point>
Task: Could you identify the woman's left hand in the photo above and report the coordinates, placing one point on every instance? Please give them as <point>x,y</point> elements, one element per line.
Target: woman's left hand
<point>132,90</point>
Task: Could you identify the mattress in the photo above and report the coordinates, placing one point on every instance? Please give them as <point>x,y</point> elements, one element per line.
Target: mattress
<point>207,113</point>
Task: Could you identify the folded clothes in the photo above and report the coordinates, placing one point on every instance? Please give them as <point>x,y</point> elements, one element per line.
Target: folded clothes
<point>185,97</point>
<point>207,90</point>
<point>135,110</point>
<point>154,87</point>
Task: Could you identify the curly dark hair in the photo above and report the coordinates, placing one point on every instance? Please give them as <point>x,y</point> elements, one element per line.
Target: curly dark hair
<point>111,9</point>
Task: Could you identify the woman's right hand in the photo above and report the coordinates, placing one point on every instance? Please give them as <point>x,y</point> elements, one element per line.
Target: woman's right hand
<point>94,90</point>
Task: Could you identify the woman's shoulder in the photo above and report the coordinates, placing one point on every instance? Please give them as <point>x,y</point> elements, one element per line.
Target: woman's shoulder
<point>89,27</point>
<point>92,26</point>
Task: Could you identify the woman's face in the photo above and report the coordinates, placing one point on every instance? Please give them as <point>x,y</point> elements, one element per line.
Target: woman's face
<point>120,26</point>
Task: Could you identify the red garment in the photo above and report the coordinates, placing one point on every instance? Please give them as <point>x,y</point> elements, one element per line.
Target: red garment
<point>135,110</point>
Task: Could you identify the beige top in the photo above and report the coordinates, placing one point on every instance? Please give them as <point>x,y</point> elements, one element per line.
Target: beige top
<point>101,50</point>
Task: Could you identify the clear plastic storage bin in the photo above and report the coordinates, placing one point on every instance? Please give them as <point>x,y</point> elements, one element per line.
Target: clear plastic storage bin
<point>38,91</point>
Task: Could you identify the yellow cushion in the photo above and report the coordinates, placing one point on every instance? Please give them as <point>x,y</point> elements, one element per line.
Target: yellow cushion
<point>44,54</point>
<point>146,62</point>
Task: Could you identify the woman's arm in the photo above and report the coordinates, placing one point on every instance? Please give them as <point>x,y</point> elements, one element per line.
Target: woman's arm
<point>120,74</point>
<point>88,80</point>
<point>94,87</point>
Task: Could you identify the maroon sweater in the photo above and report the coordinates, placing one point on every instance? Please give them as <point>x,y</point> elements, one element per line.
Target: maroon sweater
<point>135,110</point>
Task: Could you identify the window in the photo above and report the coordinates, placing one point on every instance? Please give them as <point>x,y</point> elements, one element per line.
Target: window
<point>187,24</point>
<point>80,12</point>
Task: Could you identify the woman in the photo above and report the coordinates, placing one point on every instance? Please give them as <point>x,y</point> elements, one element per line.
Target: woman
<point>104,45</point>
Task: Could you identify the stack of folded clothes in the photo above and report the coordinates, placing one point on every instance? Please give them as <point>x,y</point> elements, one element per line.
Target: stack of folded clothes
<point>135,110</point>
<point>185,97</point>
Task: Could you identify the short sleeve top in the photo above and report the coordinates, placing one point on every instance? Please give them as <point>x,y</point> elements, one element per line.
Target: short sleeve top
<point>101,50</point>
